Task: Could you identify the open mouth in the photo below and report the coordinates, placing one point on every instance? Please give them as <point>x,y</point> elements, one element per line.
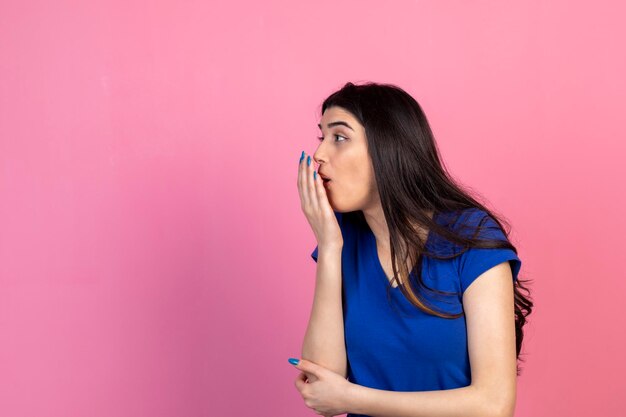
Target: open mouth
<point>325,180</point>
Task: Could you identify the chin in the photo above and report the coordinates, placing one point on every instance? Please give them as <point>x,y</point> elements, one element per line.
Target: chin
<point>341,208</point>
<point>334,205</point>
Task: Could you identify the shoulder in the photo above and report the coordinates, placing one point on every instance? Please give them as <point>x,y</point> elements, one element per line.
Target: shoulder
<point>473,216</point>
<point>475,261</point>
<point>478,223</point>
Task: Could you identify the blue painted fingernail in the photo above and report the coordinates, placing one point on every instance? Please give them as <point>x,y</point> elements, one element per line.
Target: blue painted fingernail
<point>308,160</point>
<point>314,175</point>
<point>301,157</point>
<point>294,361</point>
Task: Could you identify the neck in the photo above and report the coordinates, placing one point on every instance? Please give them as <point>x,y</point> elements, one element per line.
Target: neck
<point>375,218</point>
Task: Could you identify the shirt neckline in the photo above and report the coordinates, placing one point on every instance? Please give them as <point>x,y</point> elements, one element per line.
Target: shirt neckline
<point>376,260</point>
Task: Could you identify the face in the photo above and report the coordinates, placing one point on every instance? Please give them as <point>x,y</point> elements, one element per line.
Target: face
<point>342,156</point>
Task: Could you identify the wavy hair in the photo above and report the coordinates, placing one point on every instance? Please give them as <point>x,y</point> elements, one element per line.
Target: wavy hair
<point>411,181</point>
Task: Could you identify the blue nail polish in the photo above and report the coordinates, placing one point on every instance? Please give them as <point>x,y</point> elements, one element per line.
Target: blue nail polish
<point>308,160</point>
<point>301,157</point>
<point>314,175</point>
<point>294,361</point>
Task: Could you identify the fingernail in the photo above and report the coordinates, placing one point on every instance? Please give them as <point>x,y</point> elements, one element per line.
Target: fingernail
<point>294,361</point>
<point>314,175</point>
<point>308,160</point>
<point>301,157</point>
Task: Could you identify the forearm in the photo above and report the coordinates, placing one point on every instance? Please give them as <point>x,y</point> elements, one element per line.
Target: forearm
<point>467,401</point>
<point>324,341</point>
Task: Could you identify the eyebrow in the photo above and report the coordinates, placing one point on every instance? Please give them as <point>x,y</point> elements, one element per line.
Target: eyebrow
<point>337,123</point>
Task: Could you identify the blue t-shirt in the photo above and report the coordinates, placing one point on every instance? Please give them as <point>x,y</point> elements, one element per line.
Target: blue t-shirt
<point>390,343</point>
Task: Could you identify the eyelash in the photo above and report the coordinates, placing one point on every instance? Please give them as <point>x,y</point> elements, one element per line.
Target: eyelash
<point>321,138</point>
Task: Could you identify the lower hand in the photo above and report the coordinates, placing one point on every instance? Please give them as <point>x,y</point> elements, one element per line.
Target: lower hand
<point>327,394</point>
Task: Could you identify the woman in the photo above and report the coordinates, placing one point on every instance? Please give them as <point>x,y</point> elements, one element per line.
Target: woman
<point>436,332</point>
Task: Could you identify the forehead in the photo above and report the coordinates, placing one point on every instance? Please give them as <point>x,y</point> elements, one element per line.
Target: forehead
<point>337,114</point>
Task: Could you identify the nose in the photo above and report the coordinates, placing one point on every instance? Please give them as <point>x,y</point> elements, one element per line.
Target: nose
<point>319,156</point>
<point>320,161</point>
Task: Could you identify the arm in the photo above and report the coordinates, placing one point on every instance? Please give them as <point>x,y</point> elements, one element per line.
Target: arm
<point>489,313</point>
<point>324,342</point>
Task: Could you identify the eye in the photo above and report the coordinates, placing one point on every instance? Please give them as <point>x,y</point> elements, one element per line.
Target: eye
<point>321,138</point>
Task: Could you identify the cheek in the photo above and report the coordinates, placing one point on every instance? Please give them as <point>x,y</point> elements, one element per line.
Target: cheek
<point>357,174</point>
<point>368,179</point>
<point>361,182</point>
<point>356,177</point>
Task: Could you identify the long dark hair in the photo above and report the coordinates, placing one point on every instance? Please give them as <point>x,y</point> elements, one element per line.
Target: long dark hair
<point>412,181</point>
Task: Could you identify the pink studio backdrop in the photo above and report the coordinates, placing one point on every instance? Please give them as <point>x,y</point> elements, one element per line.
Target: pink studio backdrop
<point>154,260</point>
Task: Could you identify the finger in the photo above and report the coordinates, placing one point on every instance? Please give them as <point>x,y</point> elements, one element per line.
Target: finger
<point>321,196</point>
<point>300,177</point>
<point>302,183</point>
<point>299,165</point>
<point>311,184</point>
<point>312,369</point>
<point>300,381</point>
<point>311,378</point>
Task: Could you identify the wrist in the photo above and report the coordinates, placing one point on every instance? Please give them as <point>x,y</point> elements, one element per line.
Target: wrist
<point>353,398</point>
<point>330,248</point>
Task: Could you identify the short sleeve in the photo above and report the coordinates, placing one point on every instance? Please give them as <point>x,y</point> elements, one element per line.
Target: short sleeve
<point>475,261</point>
<point>314,254</point>
<point>338,215</point>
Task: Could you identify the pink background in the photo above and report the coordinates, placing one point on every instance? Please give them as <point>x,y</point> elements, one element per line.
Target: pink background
<point>154,260</point>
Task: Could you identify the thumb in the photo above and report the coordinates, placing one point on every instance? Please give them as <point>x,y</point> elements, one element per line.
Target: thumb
<point>307,366</point>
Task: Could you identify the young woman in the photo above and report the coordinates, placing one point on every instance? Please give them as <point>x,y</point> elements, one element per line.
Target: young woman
<point>417,298</point>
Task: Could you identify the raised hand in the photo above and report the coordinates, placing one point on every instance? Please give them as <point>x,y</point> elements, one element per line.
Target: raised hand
<point>316,206</point>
